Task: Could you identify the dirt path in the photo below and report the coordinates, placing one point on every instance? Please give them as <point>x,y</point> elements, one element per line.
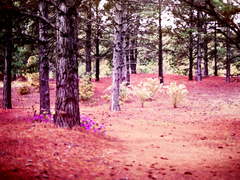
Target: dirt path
<point>197,140</point>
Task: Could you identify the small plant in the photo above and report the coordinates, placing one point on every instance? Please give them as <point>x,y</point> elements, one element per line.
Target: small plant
<point>89,125</point>
<point>147,90</point>
<point>23,88</point>
<point>177,93</point>
<point>33,80</point>
<point>124,93</point>
<point>42,118</point>
<point>86,91</point>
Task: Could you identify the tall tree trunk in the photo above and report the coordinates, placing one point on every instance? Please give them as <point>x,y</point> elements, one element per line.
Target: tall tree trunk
<point>199,58</point>
<point>160,53</point>
<point>191,46</point>
<point>88,38</point>
<point>127,60</point>
<point>228,57</point>
<point>215,62</point>
<point>205,44</point>
<point>44,61</point>
<point>123,39</point>
<point>67,89</point>
<point>97,44</point>
<point>132,56</point>
<point>127,44</point>
<point>116,57</point>
<point>7,103</point>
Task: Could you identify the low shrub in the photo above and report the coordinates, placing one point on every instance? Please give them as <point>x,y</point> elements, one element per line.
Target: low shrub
<point>177,93</point>
<point>91,125</point>
<point>23,90</point>
<point>147,90</point>
<point>22,87</point>
<point>124,93</point>
<point>86,89</point>
<point>34,80</point>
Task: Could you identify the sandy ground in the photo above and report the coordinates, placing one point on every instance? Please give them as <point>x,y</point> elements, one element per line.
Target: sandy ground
<point>197,140</point>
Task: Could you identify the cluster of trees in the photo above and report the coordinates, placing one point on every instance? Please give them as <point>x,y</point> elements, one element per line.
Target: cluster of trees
<point>64,32</point>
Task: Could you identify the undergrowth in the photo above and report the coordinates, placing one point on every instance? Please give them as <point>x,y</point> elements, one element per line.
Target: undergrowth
<point>147,90</point>
<point>86,89</point>
<point>177,93</point>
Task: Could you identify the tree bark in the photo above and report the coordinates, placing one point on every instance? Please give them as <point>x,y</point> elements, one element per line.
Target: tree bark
<point>215,46</point>
<point>67,87</point>
<point>191,57</point>
<point>127,60</point>
<point>88,39</point>
<point>97,44</point>
<point>116,57</point>
<point>205,44</point>
<point>132,56</point>
<point>43,60</point>
<point>123,39</point>
<point>7,103</point>
<point>199,58</point>
<point>191,46</point>
<point>160,53</point>
<point>228,57</point>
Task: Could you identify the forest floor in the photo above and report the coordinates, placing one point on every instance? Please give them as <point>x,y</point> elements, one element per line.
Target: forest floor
<point>198,140</point>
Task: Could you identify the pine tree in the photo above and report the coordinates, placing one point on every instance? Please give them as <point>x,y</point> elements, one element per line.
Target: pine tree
<point>67,88</point>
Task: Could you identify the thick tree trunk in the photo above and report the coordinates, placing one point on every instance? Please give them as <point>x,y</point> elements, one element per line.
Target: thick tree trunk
<point>116,57</point>
<point>199,58</point>
<point>88,39</point>
<point>44,61</point>
<point>228,57</point>
<point>7,103</point>
<point>160,53</point>
<point>67,89</point>
<point>205,44</point>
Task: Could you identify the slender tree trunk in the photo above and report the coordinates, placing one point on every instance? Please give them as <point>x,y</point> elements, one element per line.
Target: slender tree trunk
<point>191,46</point>
<point>127,60</point>
<point>228,57</point>
<point>97,56</point>
<point>127,45</point>
<point>116,57</point>
<point>44,61</point>
<point>123,39</point>
<point>199,58</point>
<point>88,38</point>
<point>205,51</point>
<point>135,54</point>
<point>136,44</point>
<point>97,44</point>
<point>160,53</point>
<point>67,89</point>
<point>191,59</point>
<point>215,62</point>
<point>7,103</point>
<point>132,57</point>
